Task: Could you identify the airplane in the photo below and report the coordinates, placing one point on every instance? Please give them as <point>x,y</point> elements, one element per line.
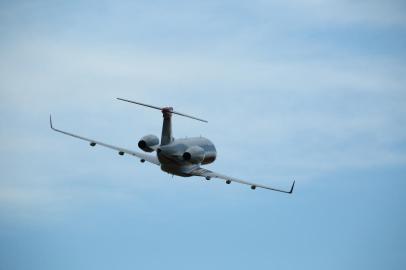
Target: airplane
<point>181,157</point>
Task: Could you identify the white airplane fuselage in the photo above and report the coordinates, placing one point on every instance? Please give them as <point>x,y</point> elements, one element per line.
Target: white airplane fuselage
<point>174,156</point>
<point>178,156</point>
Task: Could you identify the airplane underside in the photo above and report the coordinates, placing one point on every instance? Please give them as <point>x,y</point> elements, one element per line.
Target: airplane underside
<point>183,171</point>
<point>175,166</point>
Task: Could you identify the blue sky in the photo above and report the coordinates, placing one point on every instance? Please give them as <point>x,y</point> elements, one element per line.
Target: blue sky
<point>306,90</point>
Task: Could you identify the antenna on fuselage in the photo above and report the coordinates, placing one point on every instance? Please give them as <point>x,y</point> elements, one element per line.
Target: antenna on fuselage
<point>163,109</point>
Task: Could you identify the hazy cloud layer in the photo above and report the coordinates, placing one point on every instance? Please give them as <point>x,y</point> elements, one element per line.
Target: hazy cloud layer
<point>308,90</point>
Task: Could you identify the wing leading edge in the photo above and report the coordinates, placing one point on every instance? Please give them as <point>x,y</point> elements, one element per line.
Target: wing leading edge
<point>121,151</point>
<point>209,174</point>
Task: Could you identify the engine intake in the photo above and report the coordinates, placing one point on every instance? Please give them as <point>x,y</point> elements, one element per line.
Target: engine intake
<point>148,143</point>
<point>194,154</point>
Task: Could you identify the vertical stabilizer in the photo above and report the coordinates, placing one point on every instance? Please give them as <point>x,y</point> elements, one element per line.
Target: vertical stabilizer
<point>166,137</point>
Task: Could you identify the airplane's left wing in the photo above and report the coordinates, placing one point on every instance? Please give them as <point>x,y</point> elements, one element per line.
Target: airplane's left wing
<point>121,151</point>
<point>209,174</point>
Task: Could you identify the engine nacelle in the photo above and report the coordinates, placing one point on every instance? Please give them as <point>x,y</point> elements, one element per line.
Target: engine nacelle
<point>148,142</point>
<point>194,154</point>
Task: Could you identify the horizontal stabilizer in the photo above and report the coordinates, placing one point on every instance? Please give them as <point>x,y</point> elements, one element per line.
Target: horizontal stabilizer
<point>163,109</point>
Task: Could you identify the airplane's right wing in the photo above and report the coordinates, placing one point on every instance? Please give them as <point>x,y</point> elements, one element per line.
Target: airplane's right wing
<point>121,151</point>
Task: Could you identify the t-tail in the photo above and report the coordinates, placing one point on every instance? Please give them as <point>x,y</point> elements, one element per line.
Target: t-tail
<point>166,137</point>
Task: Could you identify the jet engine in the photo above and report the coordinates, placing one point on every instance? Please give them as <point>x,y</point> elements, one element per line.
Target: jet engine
<point>194,154</point>
<point>148,143</point>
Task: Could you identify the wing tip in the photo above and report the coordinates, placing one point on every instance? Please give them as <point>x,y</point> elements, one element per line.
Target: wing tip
<point>50,121</point>
<point>291,189</point>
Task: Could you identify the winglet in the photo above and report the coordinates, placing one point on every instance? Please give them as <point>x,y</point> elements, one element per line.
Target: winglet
<point>291,189</point>
<point>50,121</point>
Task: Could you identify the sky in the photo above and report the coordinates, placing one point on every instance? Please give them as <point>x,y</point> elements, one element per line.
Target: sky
<point>306,90</point>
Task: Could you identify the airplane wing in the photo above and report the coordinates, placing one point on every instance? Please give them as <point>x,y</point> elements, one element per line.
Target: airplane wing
<point>209,174</point>
<point>143,157</point>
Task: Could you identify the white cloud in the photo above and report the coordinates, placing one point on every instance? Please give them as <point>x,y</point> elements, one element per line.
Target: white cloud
<point>344,12</point>
<point>91,77</point>
<point>309,113</point>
